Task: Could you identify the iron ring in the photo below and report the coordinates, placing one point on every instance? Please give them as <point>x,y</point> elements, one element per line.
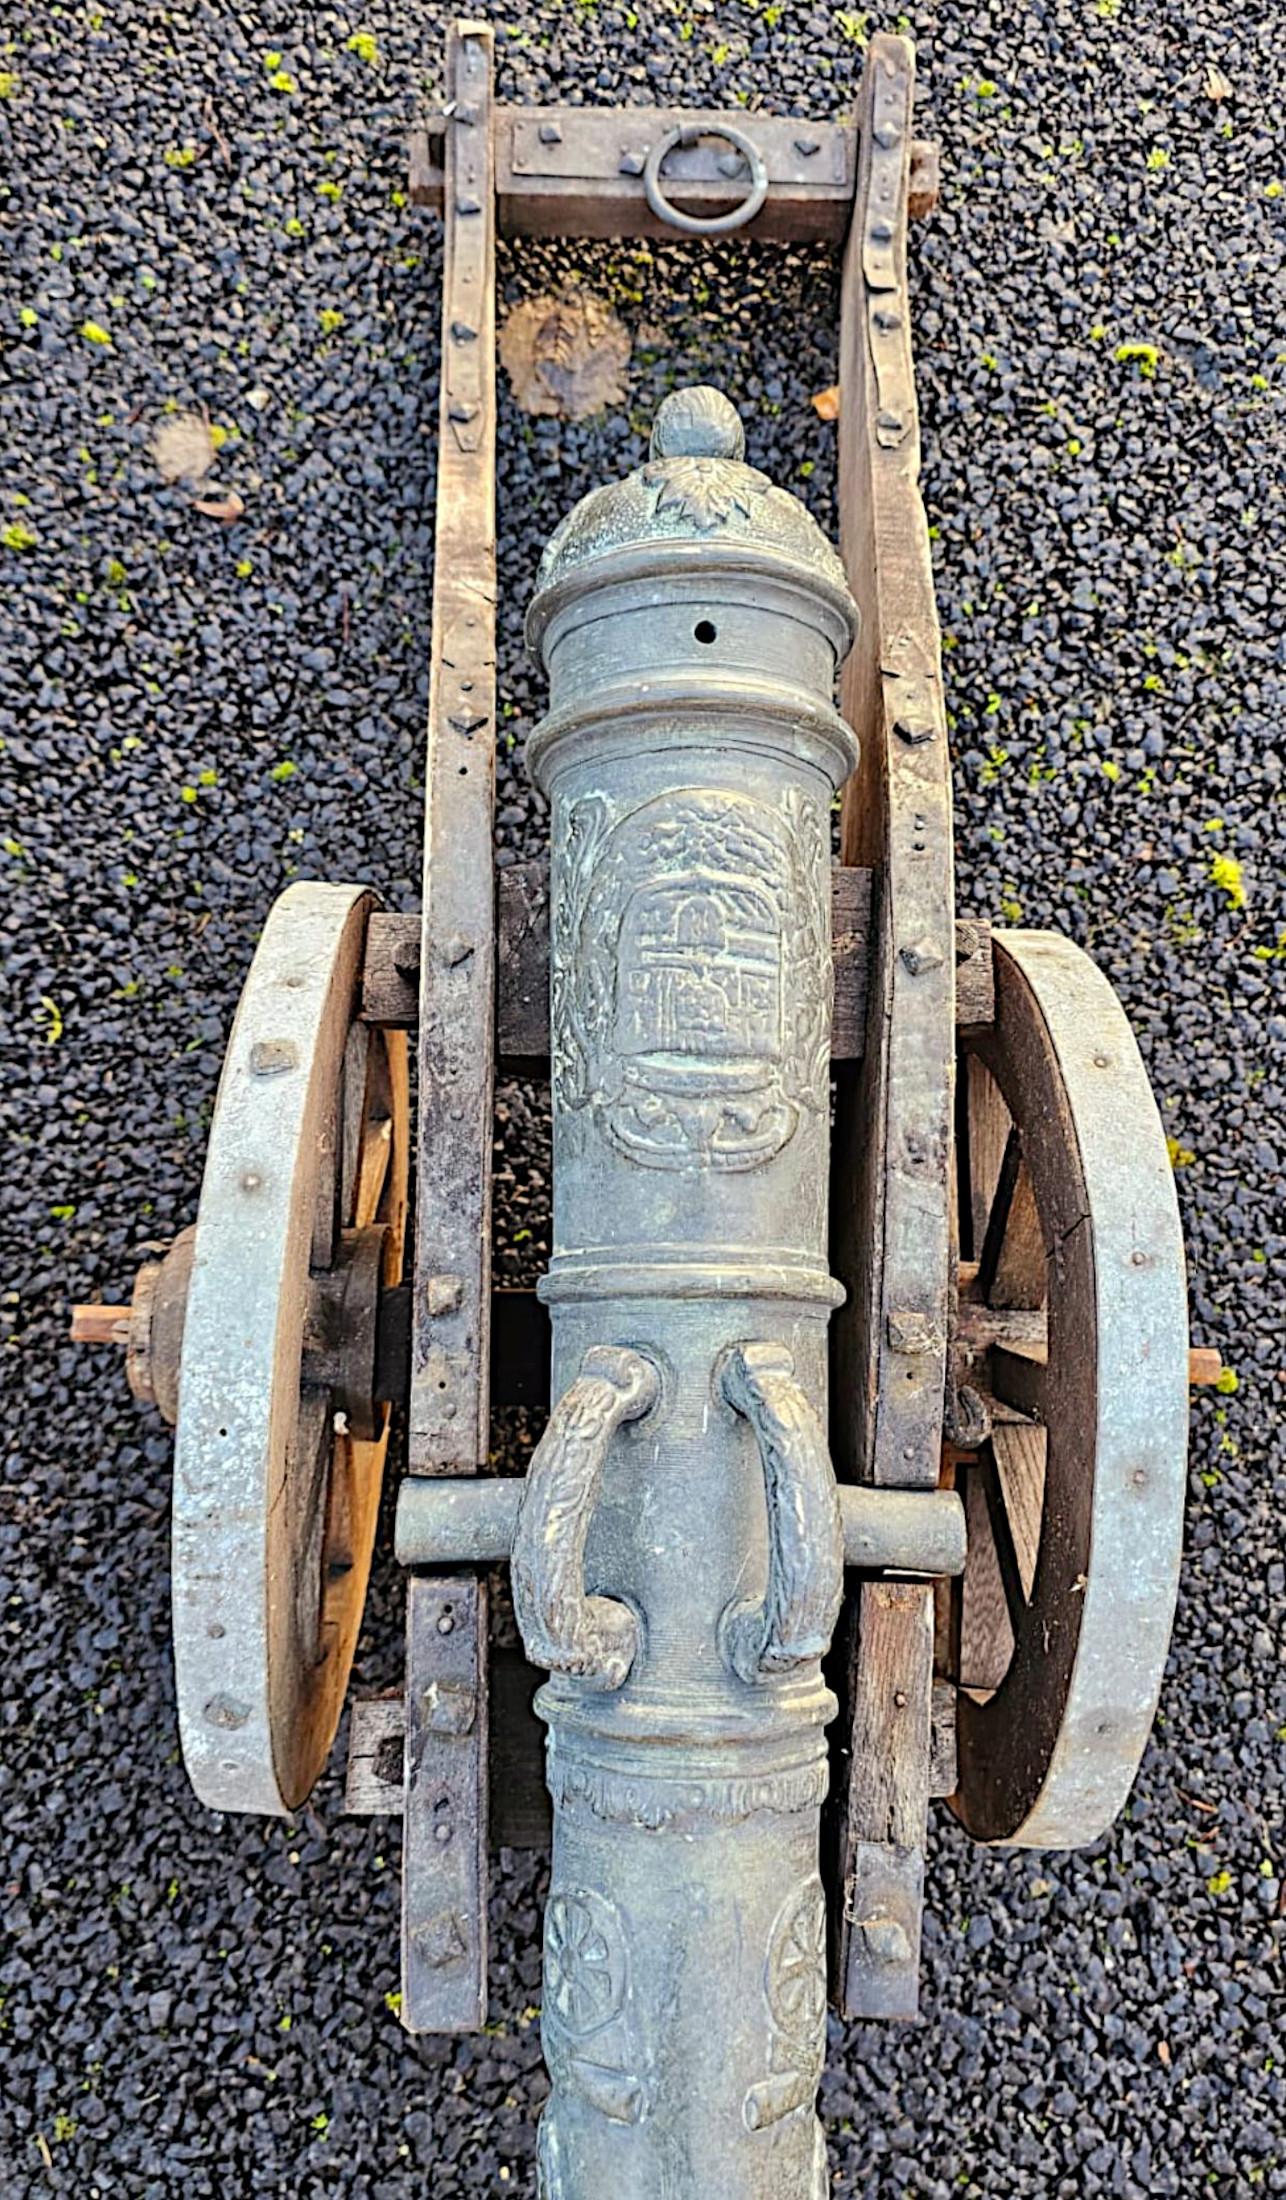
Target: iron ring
<point>712,225</point>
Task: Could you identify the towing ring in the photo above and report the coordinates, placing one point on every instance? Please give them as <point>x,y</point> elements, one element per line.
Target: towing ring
<point>710,225</point>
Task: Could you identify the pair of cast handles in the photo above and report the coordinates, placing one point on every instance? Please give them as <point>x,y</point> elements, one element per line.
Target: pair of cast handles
<point>596,1638</point>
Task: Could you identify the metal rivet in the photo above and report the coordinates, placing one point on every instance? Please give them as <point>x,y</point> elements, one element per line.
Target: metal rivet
<point>909,1329</point>
<point>922,955</point>
<point>631,164</point>
<point>455,950</point>
<point>886,320</point>
<point>442,1834</point>
<point>886,1940</point>
<point>227,1712</point>
<point>466,719</point>
<point>1139,1478</point>
<point>443,1293</point>
<point>272,1057</point>
<point>1102,1061</point>
<point>251,1181</point>
<point>808,146</point>
<point>728,164</point>
<point>440,1940</point>
<point>881,231</point>
<point>461,413</point>
<point>887,134</point>
<point>446,1625</point>
<point>550,134</point>
<point>468,202</point>
<point>462,332</point>
<point>914,731</point>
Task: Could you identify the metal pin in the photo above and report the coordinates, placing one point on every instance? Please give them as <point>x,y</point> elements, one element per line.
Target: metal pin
<point>272,1057</point>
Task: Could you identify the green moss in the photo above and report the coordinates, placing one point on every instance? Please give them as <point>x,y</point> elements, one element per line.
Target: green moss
<point>1144,356</point>
<point>1225,874</point>
<point>366,46</point>
<point>18,536</point>
<point>94,333</point>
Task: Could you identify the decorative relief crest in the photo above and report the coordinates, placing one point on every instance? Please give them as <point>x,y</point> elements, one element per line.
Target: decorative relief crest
<point>691,993</point>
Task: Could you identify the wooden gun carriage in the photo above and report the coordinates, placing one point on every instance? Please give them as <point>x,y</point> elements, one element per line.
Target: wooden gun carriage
<point>1008,1368</point>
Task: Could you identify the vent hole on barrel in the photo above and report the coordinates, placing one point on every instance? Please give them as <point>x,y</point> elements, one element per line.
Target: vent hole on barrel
<point>706,630</point>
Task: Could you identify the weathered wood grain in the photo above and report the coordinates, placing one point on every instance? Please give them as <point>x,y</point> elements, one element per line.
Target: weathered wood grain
<point>444,1886</point>
<point>448,1420</point>
<point>893,1134</point>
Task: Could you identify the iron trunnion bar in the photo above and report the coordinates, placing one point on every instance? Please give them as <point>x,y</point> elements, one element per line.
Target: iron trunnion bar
<point>678,1559</point>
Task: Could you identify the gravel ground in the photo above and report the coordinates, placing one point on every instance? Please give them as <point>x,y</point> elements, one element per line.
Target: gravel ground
<point>196,711</point>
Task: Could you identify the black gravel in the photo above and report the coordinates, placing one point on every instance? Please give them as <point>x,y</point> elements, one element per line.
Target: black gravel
<point>194,712</point>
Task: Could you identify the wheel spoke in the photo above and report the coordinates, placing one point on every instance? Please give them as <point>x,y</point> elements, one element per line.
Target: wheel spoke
<point>985,1638</point>
<point>994,1490</point>
<point>1019,1377</point>
<point>1019,1448</point>
<point>1011,1266</point>
<point>989,1122</point>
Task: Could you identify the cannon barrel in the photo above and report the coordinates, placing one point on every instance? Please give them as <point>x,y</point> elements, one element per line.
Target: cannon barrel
<point>678,1557</point>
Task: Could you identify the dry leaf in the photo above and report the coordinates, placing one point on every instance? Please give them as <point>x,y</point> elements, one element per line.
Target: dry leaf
<point>1216,85</point>
<point>565,355</point>
<point>826,403</point>
<point>183,448</point>
<point>227,507</point>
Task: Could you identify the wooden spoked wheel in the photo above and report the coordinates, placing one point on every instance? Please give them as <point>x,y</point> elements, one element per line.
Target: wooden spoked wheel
<point>1073,1326</point>
<point>275,1494</point>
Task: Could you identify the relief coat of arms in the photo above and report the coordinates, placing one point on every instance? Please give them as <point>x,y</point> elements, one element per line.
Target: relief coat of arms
<point>691,992</point>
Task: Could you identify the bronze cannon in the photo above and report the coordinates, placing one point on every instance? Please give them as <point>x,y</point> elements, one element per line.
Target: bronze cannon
<point>863,1339</point>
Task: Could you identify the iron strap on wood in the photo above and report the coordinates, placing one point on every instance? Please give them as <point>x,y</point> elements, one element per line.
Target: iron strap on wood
<point>444,1915</point>
<point>449,1387</point>
<point>579,171</point>
<point>893,1131</point>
